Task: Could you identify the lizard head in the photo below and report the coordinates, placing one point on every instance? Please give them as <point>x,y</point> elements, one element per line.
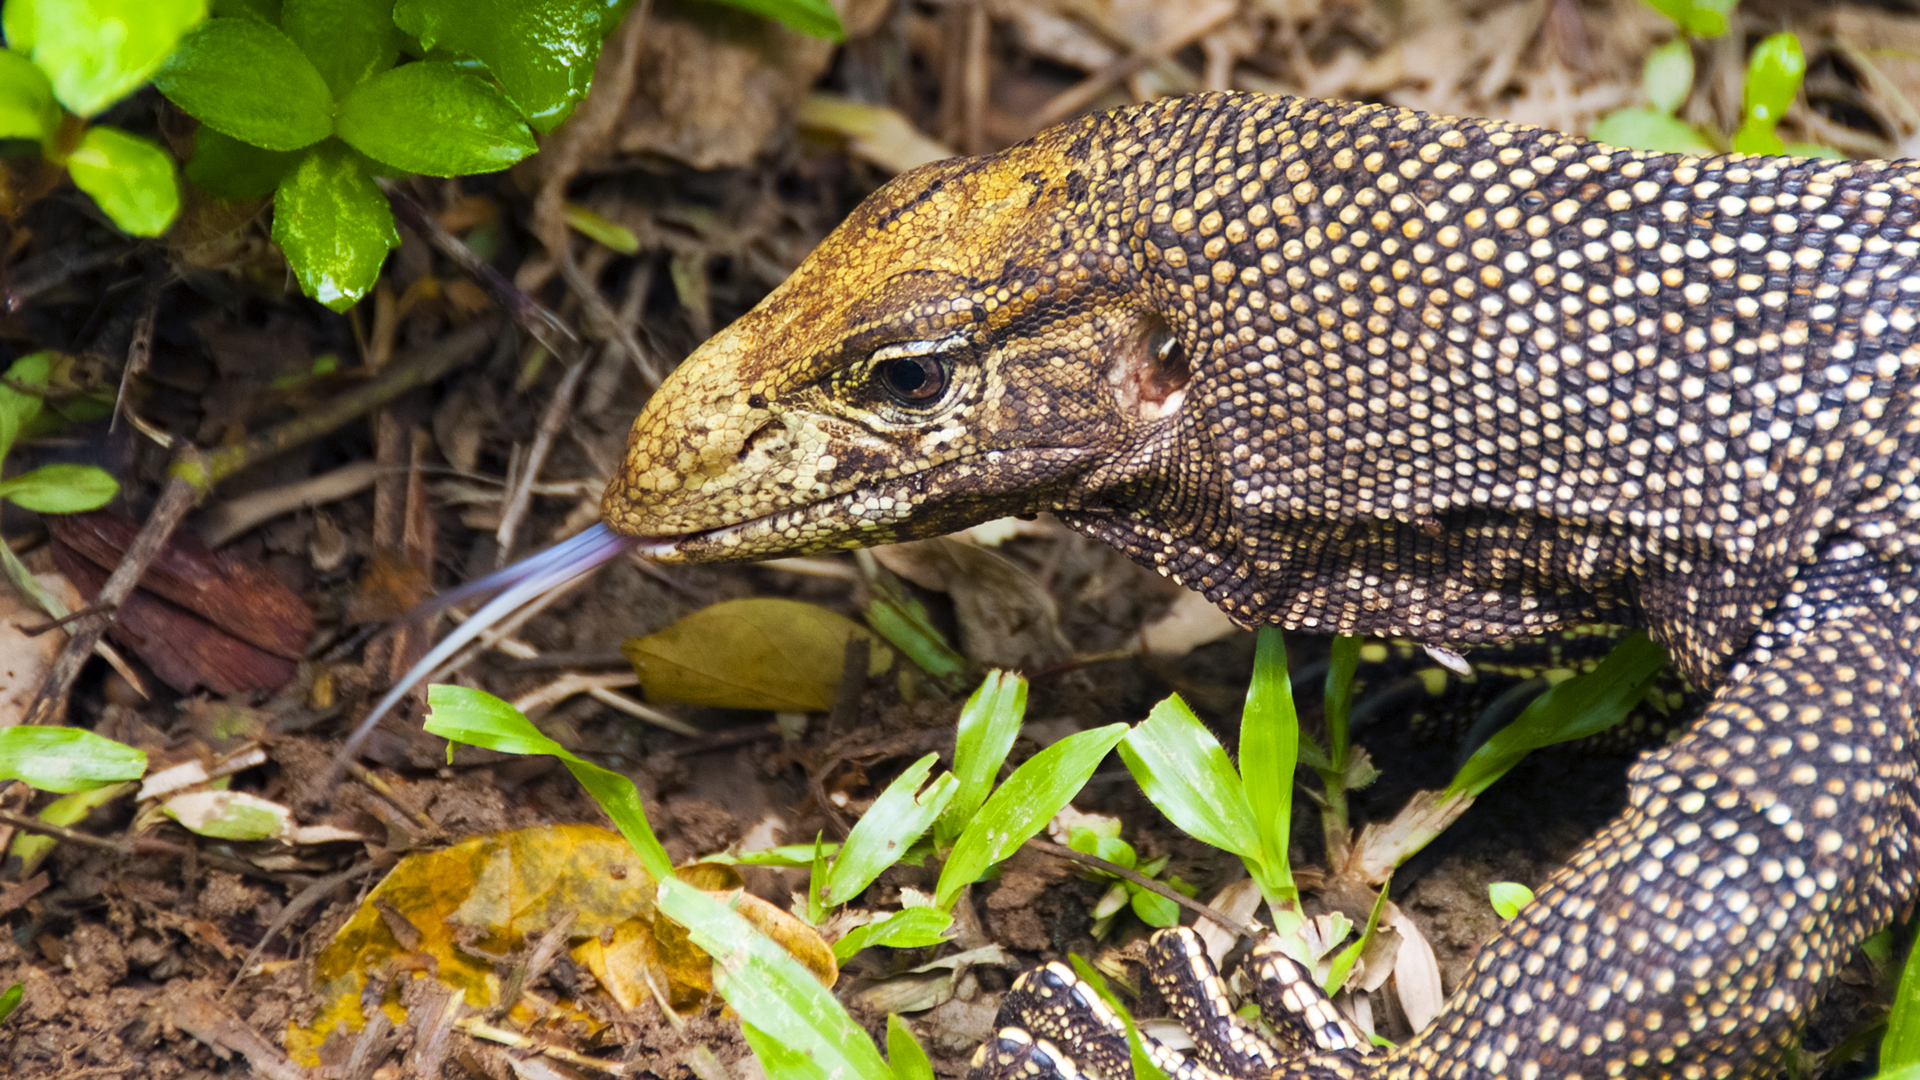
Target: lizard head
<point>966,345</point>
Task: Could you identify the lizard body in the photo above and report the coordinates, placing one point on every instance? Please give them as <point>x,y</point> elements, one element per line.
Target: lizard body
<point>1353,369</point>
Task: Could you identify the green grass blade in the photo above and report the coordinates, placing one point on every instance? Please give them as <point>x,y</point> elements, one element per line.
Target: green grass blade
<point>888,828</point>
<point>1269,751</point>
<point>1022,807</point>
<point>771,990</point>
<point>988,726</point>
<point>1581,706</point>
<point>477,718</point>
<point>904,1052</point>
<point>1901,1047</point>
<point>1185,772</point>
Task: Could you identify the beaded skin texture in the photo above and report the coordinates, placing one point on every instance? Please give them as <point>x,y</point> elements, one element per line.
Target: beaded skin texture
<point>1354,369</point>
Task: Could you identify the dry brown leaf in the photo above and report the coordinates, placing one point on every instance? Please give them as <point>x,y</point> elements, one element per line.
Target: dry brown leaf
<point>1416,972</point>
<point>758,653</point>
<point>24,660</point>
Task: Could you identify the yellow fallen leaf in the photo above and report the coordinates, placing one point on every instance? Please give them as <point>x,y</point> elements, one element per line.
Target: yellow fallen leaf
<point>759,653</point>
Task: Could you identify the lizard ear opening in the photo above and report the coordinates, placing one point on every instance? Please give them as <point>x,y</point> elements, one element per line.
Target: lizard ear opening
<point>1151,375</point>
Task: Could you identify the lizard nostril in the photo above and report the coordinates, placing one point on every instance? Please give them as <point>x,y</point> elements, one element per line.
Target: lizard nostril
<point>762,436</point>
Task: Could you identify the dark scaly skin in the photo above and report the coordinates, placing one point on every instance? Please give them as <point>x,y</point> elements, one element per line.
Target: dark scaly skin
<point>1450,380</point>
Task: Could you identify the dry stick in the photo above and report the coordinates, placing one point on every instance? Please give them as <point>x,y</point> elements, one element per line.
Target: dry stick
<point>140,350</point>
<point>542,325</point>
<point>145,845</point>
<point>177,498</point>
<point>1239,926</point>
<point>521,497</point>
<point>414,370</point>
<point>1081,94</point>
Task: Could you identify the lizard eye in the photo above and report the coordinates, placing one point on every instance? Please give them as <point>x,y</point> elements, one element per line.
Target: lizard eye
<point>914,380</point>
<point>916,373</point>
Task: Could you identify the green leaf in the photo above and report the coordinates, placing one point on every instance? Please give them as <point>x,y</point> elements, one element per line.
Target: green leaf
<point>223,165</point>
<point>1758,137</point>
<point>19,403</point>
<point>1774,72</point>
<point>435,119</point>
<point>612,234</point>
<point>1269,750</point>
<point>250,81</point>
<point>1152,908</point>
<point>1702,18</point>
<point>1645,129</point>
<point>478,718</point>
<point>1581,706</point>
<point>913,928</point>
<point>988,725</point>
<point>1023,805</point>
<point>27,108</point>
<point>1668,75</point>
<point>815,17</point>
<point>1342,965</point>
<point>348,41</point>
<point>1144,1067</point>
<point>61,489</point>
<point>266,11</point>
<point>1508,897</point>
<point>1900,1049</point>
<point>334,224</point>
<point>131,179</point>
<point>890,826</point>
<point>788,856</point>
<point>542,51</point>
<point>904,1053</point>
<point>10,1000</point>
<point>229,815</point>
<point>778,1060</point>
<point>96,52</point>
<point>66,759</point>
<point>1184,772</point>
<point>770,989</point>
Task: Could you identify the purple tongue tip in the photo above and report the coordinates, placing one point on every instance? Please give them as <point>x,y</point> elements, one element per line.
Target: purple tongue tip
<point>517,585</point>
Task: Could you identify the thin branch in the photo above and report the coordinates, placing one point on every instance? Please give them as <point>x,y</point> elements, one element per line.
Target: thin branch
<point>1239,926</point>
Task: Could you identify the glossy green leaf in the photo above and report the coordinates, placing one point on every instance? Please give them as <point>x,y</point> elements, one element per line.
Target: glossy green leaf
<point>1345,959</point>
<point>96,52</point>
<point>771,990</point>
<point>542,51</point>
<point>1185,772</point>
<point>10,1000</point>
<point>27,108</point>
<point>477,718</point>
<point>223,165</point>
<point>1269,750</point>
<point>1667,75</point>
<point>988,725</point>
<point>1774,72</point>
<point>348,41</point>
<point>914,928</point>
<point>895,820</point>
<point>334,224</point>
<point>436,119</point>
<point>1581,706</point>
<point>1023,805</point>
<point>1703,18</point>
<point>131,179</point>
<point>66,759</point>
<point>266,11</point>
<point>815,17</point>
<point>904,1052</point>
<point>1152,908</point>
<point>1758,137</point>
<point>1646,129</point>
<point>61,489</point>
<point>1508,897</point>
<point>758,653</point>
<point>250,81</point>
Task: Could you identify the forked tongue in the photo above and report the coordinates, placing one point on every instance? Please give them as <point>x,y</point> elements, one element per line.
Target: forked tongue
<point>517,585</point>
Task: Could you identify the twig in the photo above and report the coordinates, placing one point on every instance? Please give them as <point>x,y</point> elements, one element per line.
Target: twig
<point>145,845</point>
<point>175,500</point>
<point>1081,94</point>
<point>521,496</point>
<point>417,369</point>
<point>544,326</point>
<point>1239,926</point>
<point>307,897</point>
<point>140,349</point>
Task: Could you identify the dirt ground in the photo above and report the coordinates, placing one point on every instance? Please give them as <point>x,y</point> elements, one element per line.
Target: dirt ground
<point>728,147</point>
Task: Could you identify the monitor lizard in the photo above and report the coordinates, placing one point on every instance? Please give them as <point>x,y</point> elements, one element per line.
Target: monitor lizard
<point>1353,369</point>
